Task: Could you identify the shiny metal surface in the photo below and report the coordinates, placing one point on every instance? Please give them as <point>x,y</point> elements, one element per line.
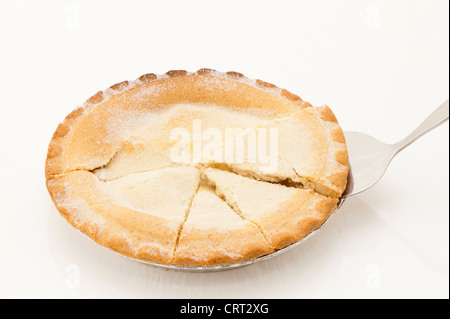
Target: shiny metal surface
<point>369,158</point>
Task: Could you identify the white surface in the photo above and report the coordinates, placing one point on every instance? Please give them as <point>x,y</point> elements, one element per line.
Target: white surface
<point>382,66</point>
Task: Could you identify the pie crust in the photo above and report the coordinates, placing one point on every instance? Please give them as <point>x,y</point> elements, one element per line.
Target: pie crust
<point>111,174</point>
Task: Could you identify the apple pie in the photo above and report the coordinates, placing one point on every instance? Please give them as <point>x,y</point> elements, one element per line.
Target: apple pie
<point>197,169</point>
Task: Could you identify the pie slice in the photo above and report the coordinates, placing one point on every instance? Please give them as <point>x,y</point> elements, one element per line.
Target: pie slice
<point>309,149</point>
<point>139,215</point>
<point>214,234</point>
<point>284,214</point>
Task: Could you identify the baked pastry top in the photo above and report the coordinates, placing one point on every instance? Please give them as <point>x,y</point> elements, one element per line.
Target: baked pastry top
<point>197,169</point>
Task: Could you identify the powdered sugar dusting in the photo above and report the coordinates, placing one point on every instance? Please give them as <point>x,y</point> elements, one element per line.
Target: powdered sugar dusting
<point>148,247</point>
<point>157,87</point>
<point>252,82</point>
<point>204,256</point>
<point>129,118</point>
<point>78,208</point>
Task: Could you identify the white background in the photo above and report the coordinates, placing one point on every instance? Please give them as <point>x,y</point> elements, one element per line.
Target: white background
<point>382,66</point>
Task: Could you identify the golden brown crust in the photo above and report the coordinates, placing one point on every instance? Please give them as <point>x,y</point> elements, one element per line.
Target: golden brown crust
<point>294,212</point>
<point>90,136</point>
<point>82,201</point>
<point>119,102</point>
<point>296,218</point>
<point>313,131</point>
<point>213,234</point>
<point>341,167</point>
<point>148,77</point>
<point>235,246</point>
